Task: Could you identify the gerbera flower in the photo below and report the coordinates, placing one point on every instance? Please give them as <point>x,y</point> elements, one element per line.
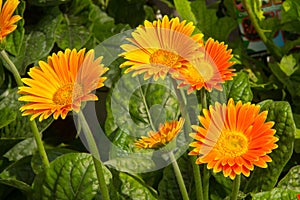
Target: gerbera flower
<point>7,21</point>
<point>162,137</point>
<point>209,70</point>
<point>159,47</point>
<point>61,84</point>
<point>233,138</point>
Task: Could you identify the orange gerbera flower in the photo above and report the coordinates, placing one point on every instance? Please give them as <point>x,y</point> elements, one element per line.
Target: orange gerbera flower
<point>60,85</point>
<point>157,48</point>
<point>7,21</point>
<point>163,136</point>
<point>233,138</point>
<point>209,70</point>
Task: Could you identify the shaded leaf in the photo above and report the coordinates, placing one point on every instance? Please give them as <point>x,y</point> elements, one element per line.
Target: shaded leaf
<point>21,150</point>
<point>70,176</point>
<point>7,115</point>
<point>47,2</point>
<point>291,181</point>
<point>276,194</point>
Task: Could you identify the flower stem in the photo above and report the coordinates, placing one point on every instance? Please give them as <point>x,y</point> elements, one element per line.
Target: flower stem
<point>196,169</point>
<point>179,178</point>
<point>206,174</point>
<point>35,131</point>
<point>96,156</point>
<point>236,187</point>
<point>274,50</point>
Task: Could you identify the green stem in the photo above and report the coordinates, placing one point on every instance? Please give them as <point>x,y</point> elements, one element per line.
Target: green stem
<point>274,50</point>
<point>12,68</point>
<point>197,178</point>
<point>236,187</point>
<point>206,174</point>
<point>196,169</point>
<point>96,155</point>
<point>147,110</point>
<point>179,178</point>
<point>36,133</point>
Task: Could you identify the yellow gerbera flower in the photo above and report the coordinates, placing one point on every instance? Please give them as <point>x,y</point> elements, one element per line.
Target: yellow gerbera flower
<point>7,21</point>
<point>159,47</point>
<point>233,138</point>
<point>209,70</point>
<point>61,84</point>
<point>163,136</point>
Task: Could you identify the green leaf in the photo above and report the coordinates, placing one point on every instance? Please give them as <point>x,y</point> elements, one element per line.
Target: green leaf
<point>135,189</point>
<point>70,176</point>
<point>21,150</point>
<point>15,39</point>
<point>256,6</point>
<point>37,163</point>
<point>18,175</point>
<point>184,9</point>
<point>288,65</point>
<point>75,29</point>
<point>119,11</point>
<point>276,194</point>
<point>210,24</point>
<point>265,179</point>
<point>7,115</point>
<point>238,89</point>
<point>168,187</point>
<point>290,16</point>
<point>291,181</point>
<point>39,40</point>
<point>19,128</point>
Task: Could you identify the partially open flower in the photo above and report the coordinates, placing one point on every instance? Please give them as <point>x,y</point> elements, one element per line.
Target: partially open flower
<point>162,137</point>
<point>233,138</point>
<point>61,84</point>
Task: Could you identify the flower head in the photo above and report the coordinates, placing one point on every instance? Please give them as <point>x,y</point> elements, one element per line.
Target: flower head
<point>163,136</point>
<point>7,21</point>
<point>233,138</point>
<point>61,84</point>
<point>160,47</point>
<point>208,70</point>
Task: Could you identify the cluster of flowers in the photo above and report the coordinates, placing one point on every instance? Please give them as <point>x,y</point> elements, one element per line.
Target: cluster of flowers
<point>231,138</point>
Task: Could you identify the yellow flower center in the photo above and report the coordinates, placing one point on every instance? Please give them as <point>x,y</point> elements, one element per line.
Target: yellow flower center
<point>67,93</point>
<point>232,144</point>
<point>163,57</point>
<point>205,71</point>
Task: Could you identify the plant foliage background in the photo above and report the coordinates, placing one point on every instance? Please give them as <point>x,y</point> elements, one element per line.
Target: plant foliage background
<point>270,79</point>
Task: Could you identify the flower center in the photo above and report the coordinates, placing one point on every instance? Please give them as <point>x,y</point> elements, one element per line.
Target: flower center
<point>232,144</point>
<point>67,93</point>
<point>163,57</point>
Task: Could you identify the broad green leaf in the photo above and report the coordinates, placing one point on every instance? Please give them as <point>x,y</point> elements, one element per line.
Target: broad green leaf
<point>221,186</point>
<point>288,65</point>
<point>184,9</point>
<point>7,115</point>
<point>70,176</point>
<point>263,179</point>
<point>19,128</point>
<point>238,89</point>
<point>210,24</point>
<point>47,2</point>
<point>291,181</point>
<point>36,162</point>
<point>24,148</point>
<point>127,11</point>
<point>15,39</point>
<point>2,75</point>
<point>135,189</point>
<point>168,188</point>
<point>290,16</point>
<point>18,175</point>
<point>104,26</point>
<point>75,28</point>
<point>276,194</point>
<point>39,40</point>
